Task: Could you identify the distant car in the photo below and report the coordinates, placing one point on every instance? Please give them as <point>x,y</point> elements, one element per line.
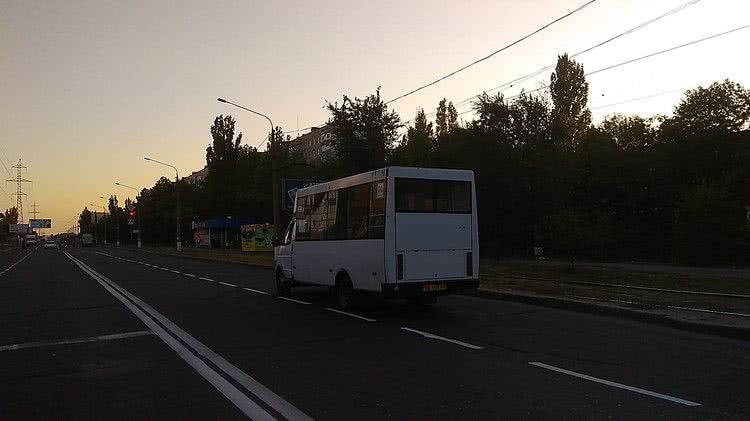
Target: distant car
<point>49,244</point>
<point>31,241</point>
<point>87,240</point>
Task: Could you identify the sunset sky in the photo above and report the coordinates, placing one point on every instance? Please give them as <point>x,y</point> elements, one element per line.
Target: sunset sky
<point>91,87</point>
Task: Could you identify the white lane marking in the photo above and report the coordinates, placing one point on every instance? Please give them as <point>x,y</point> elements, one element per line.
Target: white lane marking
<point>159,267</point>
<point>702,310</point>
<point>255,291</point>
<point>190,275</point>
<point>17,262</point>
<point>174,271</point>
<point>441,338</point>
<point>614,384</point>
<point>227,284</point>
<point>351,314</point>
<point>169,334</point>
<point>206,279</point>
<point>28,345</point>
<point>293,300</point>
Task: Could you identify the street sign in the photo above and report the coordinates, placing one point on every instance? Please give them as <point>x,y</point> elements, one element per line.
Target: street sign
<point>40,223</point>
<point>289,187</point>
<point>130,222</point>
<point>131,207</point>
<point>135,231</point>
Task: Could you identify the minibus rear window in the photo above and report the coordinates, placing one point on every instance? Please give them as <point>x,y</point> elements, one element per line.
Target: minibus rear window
<point>433,196</point>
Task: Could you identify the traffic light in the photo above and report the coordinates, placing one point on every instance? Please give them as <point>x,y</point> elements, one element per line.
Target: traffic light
<point>132,214</point>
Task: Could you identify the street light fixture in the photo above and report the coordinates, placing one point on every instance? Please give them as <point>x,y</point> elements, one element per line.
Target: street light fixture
<point>138,213</point>
<point>273,148</point>
<point>177,194</point>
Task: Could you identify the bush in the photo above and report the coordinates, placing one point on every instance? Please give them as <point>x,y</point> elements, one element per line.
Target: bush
<point>574,233</point>
<point>709,227</point>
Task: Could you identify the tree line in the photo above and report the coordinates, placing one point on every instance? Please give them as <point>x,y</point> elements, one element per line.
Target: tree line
<point>662,188</point>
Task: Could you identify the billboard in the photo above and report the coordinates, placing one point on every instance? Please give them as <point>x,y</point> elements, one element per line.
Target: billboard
<point>201,237</point>
<point>289,187</point>
<point>18,228</point>
<point>40,223</point>
<point>257,237</point>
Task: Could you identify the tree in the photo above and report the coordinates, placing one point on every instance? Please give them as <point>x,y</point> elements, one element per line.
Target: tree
<point>416,148</point>
<point>708,227</point>
<point>723,106</point>
<point>441,118</point>
<point>629,132</point>
<point>452,123</point>
<point>222,157</point>
<point>530,116</point>
<point>569,92</point>
<point>84,221</point>
<point>364,132</point>
<point>11,216</point>
<point>494,117</point>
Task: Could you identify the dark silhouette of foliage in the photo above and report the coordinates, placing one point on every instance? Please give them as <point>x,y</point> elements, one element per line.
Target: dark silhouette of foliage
<point>569,92</point>
<point>364,132</point>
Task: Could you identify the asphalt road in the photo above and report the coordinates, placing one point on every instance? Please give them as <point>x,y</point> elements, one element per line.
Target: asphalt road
<point>112,334</point>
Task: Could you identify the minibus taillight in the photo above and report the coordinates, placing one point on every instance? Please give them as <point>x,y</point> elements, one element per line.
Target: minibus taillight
<point>399,266</point>
<point>469,265</point>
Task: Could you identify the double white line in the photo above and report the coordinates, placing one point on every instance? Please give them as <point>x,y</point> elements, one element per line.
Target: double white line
<point>198,356</point>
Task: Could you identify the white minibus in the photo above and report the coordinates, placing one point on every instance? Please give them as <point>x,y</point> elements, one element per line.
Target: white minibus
<point>400,231</point>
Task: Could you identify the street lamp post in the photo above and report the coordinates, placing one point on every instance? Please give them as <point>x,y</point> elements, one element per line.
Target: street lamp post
<point>177,197</point>
<point>104,216</point>
<point>273,148</point>
<point>138,213</point>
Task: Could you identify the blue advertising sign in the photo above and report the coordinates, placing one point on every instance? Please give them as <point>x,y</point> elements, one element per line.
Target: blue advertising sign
<point>289,187</point>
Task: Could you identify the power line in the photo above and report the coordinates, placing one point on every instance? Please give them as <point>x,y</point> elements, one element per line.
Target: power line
<point>578,9</point>
<point>669,49</point>
<point>641,58</point>
<point>607,41</point>
<point>640,98</point>
<point>2,151</point>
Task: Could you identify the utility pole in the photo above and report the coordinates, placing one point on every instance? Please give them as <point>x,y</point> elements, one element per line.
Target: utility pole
<point>19,180</point>
<point>34,212</point>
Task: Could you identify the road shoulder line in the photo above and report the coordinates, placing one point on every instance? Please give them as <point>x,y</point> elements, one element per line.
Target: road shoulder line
<point>441,338</point>
<point>39,344</point>
<point>357,316</point>
<point>614,384</point>
<point>16,263</point>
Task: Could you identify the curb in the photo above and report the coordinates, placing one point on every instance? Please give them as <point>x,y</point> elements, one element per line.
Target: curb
<point>637,287</point>
<point>592,308</point>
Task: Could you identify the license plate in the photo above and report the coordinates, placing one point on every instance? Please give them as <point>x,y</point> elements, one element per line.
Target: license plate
<point>435,287</point>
